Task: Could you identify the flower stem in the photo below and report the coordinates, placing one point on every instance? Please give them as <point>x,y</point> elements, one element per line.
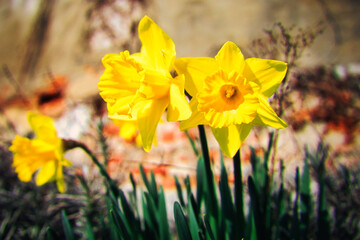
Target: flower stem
<point>239,201</point>
<point>102,142</point>
<point>70,144</point>
<point>209,175</point>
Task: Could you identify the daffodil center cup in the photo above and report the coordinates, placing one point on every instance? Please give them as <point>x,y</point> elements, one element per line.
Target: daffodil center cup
<point>231,95</point>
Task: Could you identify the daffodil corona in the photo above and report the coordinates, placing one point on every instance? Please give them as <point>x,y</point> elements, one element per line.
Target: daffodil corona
<point>230,94</point>
<point>140,86</point>
<point>44,153</point>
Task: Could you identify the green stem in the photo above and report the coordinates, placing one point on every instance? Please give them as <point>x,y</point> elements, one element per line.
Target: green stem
<point>192,143</point>
<point>102,141</point>
<point>209,174</point>
<point>70,144</point>
<point>239,201</point>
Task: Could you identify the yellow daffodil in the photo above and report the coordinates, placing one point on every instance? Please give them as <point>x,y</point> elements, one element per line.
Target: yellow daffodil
<point>44,153</point>
<point>230,94</point>
<point>141,87</point>
<point>129,131</point>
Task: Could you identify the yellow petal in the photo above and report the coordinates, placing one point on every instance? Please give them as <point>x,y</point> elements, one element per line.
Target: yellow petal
<point>266,115</point>
<point>195,71</point>
<point>157,46</point>
<point>178,108</point>
<point>148,116</point>
<point>43,127</point>
<point>155,84</point>
<point>46,173</point>
<point>30,155</point>
<point>66,163</point>
<point>196,118</point>
<point>60,183</point>
<point>267,73</point>
<point>120,106</point>
<point>230,138</point>
<point>128,129</point>
<point>230,58</point>
<point>120,82</point>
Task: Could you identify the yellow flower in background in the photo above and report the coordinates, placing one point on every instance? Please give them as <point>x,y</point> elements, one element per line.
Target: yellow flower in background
<point>44,153</point>
<point>140,86</point>
<point>129,131</point>
<point>230,94</point>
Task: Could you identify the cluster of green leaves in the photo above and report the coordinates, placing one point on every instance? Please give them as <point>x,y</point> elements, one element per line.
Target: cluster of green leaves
<point>212,211</point>
<point>271,212</point>
<point>123,220</point>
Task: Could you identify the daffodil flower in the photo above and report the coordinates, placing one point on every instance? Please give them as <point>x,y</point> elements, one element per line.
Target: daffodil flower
<point>44,153</point>
<point>140,86</point>
<point>129,131</point>
<point>230,94</point>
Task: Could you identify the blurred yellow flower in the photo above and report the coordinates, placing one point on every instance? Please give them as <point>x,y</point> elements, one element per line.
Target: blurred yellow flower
<point>230,94</point>
<point>44,153</point>
<point>141,87</point>
<point>129,131</point>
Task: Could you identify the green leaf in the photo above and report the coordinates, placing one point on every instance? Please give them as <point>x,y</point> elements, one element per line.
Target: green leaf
<point>209,228</point>
<point>195,207</point>
<point>162,217</point>
<point>133,183</point>
<point>305,200</point>
<point>187,185</point>
<point>192,143</point>
<point>119,226</point>
<point>69,234</point>
<point>179,191</point>
<point>318,162</point>
<point>211,204</point>
<point>251,228</point>
<point>89,230</point>
<point>200,180</point>
<point>143,175</point>
<point>50,234</point>
<point>295,230</point>
<point>153,188</point>
<point>129,217</point>
<point>227,206</point>
<point>239,197</point>
<point>193,221</point>
<point>151,219</point>
<point>181,223</point>
<point>268,151</point>
<point>112,226</point>
<point>256,210</point>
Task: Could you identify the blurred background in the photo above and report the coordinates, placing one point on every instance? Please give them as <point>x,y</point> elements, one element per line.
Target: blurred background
<point>51,51</point>
<point>50,55</point>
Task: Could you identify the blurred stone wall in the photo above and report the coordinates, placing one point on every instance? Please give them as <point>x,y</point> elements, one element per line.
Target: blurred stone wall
<point>63,36</point>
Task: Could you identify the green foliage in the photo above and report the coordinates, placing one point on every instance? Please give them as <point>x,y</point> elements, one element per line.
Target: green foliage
<point>272,213</point>
<point>212,211</point>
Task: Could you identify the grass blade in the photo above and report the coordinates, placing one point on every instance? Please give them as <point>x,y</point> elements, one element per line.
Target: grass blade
<point>181,223</point>
<point>200,181</point>
<point>193,221</point>
<point>239,197</point>
<point>305,201</point>
<point>89,230</point>
<point>227,206</point>
<point>162,217</point>
<point>295,230</point>
<point>69,234</point>
<point>179,191</point>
